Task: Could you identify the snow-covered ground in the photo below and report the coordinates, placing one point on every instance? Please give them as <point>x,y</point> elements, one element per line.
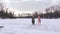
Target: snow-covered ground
<point>24,26</point>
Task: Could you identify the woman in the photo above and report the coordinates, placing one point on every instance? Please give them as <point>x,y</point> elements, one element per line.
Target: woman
<point>33,20</point>
<point>39,21</point>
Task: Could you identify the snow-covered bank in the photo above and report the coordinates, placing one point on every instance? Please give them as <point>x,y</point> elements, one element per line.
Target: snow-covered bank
<point>24,26</point>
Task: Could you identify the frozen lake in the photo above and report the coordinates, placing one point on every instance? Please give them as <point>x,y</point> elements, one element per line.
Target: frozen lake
<point>24,26</point>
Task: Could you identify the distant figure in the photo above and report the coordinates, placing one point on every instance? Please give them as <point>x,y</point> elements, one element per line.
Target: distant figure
<point>1,26</point>
<point>39,21</point>
<point>33,20</point>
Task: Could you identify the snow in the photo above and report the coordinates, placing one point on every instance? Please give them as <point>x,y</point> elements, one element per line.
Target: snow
<point>24,26</point>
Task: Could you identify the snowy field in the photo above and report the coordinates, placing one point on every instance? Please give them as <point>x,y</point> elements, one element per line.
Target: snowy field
<point>24,26</point>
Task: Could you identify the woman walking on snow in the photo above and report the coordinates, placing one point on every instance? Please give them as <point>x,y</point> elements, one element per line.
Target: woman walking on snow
<point>33,20</point>
<point>39,21</point>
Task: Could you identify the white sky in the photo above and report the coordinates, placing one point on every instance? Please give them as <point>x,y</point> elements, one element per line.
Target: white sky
<point>29,5</point>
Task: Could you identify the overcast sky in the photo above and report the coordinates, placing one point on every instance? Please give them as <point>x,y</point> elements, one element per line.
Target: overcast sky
<point>26,5</point>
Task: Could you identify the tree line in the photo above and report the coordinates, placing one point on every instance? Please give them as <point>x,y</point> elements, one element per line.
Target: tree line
<point>55,14</point>
<point>5,14</point>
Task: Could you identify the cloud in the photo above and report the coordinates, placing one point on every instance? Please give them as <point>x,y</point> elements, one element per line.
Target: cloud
<point>30,4</point>
<point>55,2</point>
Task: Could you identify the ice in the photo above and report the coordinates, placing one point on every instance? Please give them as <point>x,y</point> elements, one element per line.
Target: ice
<point>24,26</point>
